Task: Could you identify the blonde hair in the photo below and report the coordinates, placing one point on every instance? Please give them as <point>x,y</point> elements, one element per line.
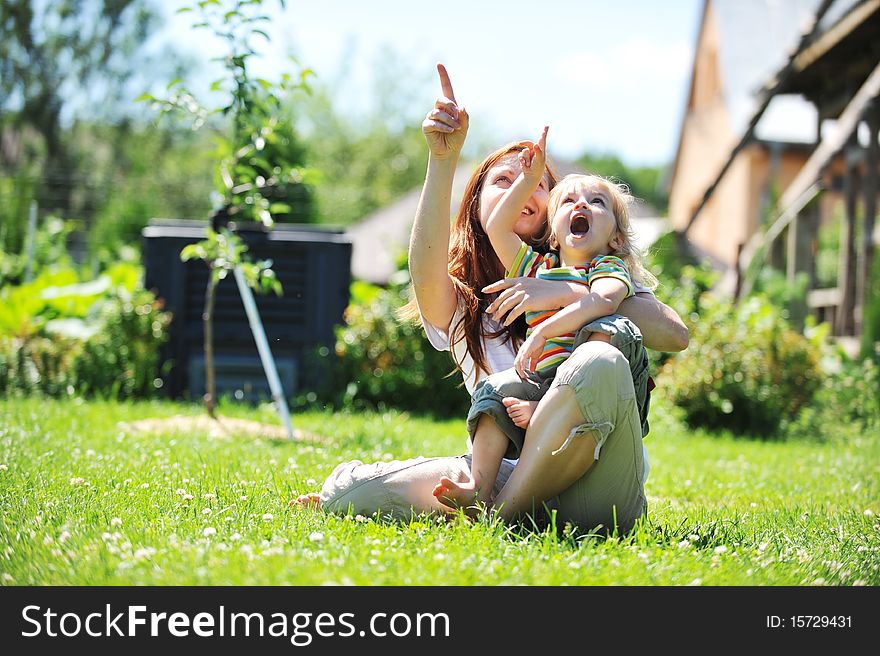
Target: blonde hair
<point>621,199</point>
<point>473,264</point>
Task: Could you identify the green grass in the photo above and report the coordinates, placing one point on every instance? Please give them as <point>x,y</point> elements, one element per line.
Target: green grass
<point>83,502</point>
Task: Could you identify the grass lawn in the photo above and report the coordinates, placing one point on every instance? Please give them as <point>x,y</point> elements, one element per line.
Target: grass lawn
<point>87,501</point>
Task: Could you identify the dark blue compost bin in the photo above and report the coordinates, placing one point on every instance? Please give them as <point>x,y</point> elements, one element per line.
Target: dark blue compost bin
<point>314,266</point>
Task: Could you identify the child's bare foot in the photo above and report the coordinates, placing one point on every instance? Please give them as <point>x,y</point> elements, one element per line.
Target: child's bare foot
<point>311,500</point>
<point>456,495</point>
<point>519,411</point>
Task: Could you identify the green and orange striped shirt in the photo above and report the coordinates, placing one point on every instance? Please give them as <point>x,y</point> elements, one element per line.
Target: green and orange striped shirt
<point>531,264</point>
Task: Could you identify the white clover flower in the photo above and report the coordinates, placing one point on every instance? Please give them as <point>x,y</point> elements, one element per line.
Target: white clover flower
<point>720,549</point>
<point>868,512</point>
<point>267,517</point>
<point>210,496</point>
<point>187,497</point>
<point>206,511</point>
<point>209,531</point>
<point>144,486</point>
<point>77,480</point>
<point>235,537</point>
<point>684,544</point>
<point>4,468</point>
<point>316,536</point>
<point>116,521</point>
<point>180,491</point>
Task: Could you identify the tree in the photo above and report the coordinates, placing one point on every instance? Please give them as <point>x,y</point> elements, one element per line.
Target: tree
<point>255,167</point>
<point>55,55</point>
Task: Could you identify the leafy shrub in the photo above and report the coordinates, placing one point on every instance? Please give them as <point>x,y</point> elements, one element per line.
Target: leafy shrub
<point>385,362</point>
<point>121,359</point>
<point>846,403</point>
<point>61,336</point>
<point>745,369</point>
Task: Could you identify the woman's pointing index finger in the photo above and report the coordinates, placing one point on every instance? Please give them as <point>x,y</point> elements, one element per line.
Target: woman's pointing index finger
<point>445,83</point>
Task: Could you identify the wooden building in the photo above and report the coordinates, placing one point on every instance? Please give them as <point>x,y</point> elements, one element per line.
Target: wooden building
<point>781,126</point>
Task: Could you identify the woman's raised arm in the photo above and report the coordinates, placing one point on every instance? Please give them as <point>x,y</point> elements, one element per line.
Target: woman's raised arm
<point>445,128</point>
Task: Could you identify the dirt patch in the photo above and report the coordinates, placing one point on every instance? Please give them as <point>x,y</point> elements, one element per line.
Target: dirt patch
<point>221,427</point>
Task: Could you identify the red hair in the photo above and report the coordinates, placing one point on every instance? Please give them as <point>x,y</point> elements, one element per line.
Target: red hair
<point>473,264</point>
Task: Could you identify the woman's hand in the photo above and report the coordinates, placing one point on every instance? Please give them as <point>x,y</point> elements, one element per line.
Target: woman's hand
<point>528,354</point>
<point>518,295</point>
<point>445,127</point>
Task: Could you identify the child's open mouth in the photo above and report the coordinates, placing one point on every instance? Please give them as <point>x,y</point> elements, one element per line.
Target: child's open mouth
<point>579,226</point>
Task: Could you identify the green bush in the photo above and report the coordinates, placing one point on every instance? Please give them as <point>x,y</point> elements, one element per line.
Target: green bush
<point>60,336</point>
<point>745,369</point>
<point>384,362</point>
<point>847,403</point>
<point>121,360</point>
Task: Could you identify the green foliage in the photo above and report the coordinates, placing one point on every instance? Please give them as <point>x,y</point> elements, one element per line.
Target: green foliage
<point>47,49</point>
<point>50,249</point>
<point>846,403</point>
<point>384,361</point>
<point>643,181</point>
<point>137,173</point>
<point>259,175</point>
<point>61,336</point>
<point>790,296</point>
<point>224,251</point>
<point>362,164</point>
<point>16,193</point>
<point>121,360</point>
<point>871,320</point>
<point>683,284</point>
<point>745,369</point>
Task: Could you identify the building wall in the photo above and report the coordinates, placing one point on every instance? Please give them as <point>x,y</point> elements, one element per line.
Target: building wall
<point>706,135</point>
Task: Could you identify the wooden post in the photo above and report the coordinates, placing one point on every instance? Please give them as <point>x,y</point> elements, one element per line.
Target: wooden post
<point>770,208</point>
<point>866,248</point>
<point>801,238</point>
<point>846,271</point>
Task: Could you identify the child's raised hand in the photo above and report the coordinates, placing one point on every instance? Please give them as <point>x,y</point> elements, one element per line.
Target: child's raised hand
<point>445,127</point>
<point>528,354</point>
<point>534,158</point>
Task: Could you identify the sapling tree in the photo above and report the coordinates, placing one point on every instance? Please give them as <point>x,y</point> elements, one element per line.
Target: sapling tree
<point>259,168</point>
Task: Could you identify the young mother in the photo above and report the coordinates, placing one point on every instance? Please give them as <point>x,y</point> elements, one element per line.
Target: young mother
<point>593,397</point>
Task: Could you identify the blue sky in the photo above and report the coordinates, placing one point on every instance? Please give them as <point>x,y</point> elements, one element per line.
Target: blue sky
<point>606,76</point>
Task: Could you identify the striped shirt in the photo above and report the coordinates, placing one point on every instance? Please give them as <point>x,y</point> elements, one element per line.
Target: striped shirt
<point>546,267</point>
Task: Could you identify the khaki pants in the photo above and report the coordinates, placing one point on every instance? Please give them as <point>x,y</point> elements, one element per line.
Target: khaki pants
<point>609,495</point>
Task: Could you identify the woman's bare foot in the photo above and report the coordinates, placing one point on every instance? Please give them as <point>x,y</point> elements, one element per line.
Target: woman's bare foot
<point>519,411</point>
<point>311,500</point>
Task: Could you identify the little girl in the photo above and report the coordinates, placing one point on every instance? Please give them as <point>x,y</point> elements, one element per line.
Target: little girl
<point>590,230</point>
